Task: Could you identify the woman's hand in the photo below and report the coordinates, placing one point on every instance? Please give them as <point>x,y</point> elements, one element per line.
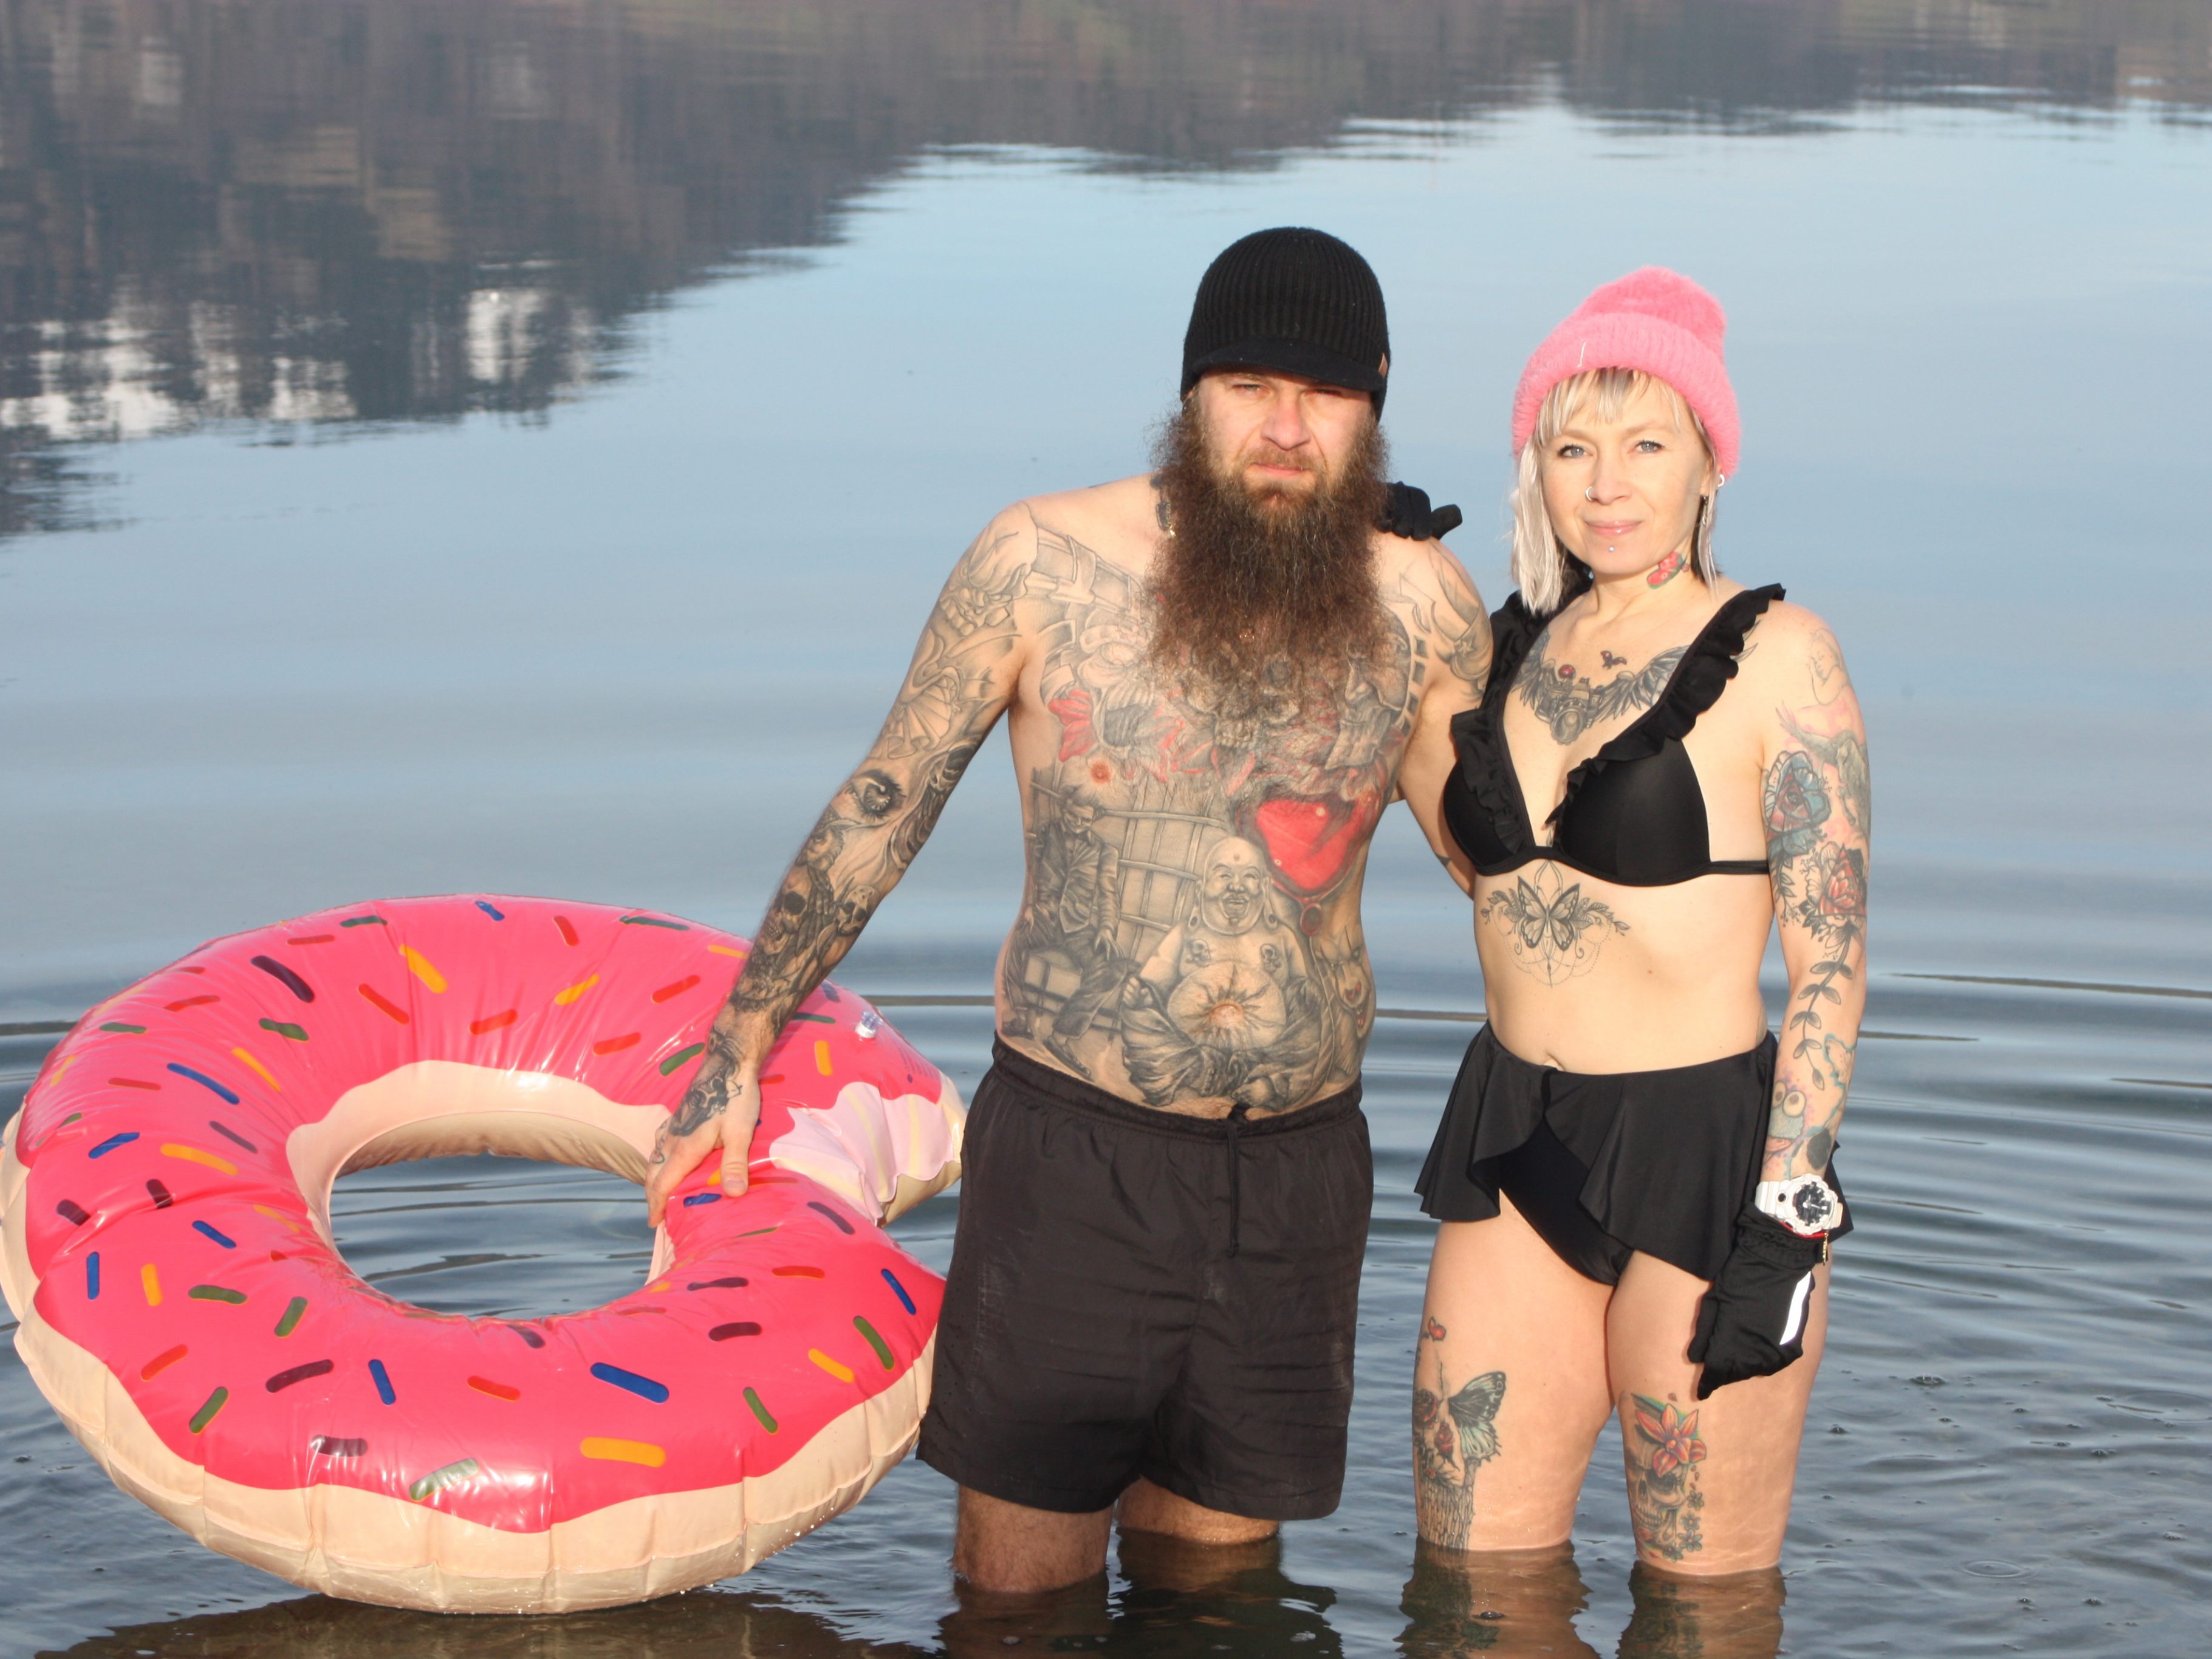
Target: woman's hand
<point>1752,1323</point>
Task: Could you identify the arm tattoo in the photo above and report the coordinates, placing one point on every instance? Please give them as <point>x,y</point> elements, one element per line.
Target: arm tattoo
<point>877,823</point>
<point>1456,621</point>
<point>708,1096</point>
<point>1845,756</point>
<point>1825,668</point>
<point>1818,807</point>
<point>1569,704</point>
<point>1455,1434</point>
<point>1447,626</point>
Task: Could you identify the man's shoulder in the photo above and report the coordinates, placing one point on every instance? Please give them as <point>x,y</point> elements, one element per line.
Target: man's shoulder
<point>1100,540</point>
<point>1436,601</point>
<point>1117,518</point>
<point>1428,576</point>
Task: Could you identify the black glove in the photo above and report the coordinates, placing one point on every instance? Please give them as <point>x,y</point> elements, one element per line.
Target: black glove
<point>1407,513</point>
<point>1752,1323</point>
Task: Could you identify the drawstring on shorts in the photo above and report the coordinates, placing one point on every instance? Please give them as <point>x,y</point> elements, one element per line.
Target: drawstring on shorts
<point>1237,1112</point>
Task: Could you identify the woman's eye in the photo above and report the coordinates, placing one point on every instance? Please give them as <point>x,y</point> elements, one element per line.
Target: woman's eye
<point>1650,446</point>
<point>1570,451</point>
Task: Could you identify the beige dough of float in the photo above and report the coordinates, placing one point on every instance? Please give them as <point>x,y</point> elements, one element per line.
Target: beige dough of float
<point>883,1157</point>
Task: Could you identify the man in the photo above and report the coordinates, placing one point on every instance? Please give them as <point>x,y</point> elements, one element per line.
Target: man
<point>1211,673</point>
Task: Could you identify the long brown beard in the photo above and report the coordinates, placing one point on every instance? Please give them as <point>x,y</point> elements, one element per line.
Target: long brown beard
<point>1248,594</point>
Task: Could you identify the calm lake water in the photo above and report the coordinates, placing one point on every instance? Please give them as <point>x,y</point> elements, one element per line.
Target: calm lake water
<point>487,445</point>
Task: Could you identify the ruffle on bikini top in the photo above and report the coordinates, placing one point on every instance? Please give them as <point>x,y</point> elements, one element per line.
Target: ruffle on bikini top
<point>1707,666</point>
<point>1478,738</point>
<point>1651,830</point>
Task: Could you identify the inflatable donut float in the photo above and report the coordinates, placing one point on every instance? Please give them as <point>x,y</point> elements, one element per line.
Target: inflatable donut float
<point>166,1192</point>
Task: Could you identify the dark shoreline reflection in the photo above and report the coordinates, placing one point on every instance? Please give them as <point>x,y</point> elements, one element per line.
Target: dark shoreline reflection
<point>305,217</point>
<point>704,1624</point>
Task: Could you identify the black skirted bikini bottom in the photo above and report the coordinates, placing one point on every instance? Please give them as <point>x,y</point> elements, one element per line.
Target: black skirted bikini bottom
<point>1604,1165</point>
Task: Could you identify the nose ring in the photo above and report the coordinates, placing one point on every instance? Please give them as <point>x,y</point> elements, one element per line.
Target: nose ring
<point>1588,493</point>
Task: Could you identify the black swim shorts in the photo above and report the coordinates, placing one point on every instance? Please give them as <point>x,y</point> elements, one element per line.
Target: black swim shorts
<point>1136,1292</point>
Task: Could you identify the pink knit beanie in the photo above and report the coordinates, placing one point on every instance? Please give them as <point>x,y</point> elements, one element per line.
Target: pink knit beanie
<point>1651,320</point>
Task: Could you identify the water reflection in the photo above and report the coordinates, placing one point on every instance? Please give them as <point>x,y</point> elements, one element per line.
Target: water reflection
<point>1188,1598</point>
<point>1527,1602</point>
<point>305,218</point>
<point>1174,1598</point>
<point>1735,1617</point>
<point>708,1623</point>
<point>1508,1601</point>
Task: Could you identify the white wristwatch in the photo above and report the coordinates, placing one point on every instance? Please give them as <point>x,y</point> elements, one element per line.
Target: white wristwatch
<point>1805,1204</point>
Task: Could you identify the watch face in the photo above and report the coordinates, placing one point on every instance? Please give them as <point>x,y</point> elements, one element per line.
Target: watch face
<point>1813,1205</point>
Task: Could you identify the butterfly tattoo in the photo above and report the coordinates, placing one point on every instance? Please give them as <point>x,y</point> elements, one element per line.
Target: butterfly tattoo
<point>1454,1434</point>
<point>1553,929</point>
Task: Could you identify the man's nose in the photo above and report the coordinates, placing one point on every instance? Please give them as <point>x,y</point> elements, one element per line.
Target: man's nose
<point>1286,425</point>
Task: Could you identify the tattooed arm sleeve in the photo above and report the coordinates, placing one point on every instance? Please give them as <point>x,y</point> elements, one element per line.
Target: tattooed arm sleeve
<point>961,677</point>
<point>1451,644</point>
<point>1818,798</point>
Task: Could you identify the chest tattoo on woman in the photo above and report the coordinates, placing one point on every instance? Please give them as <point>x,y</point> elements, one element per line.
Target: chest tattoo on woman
<point>1569,704</point>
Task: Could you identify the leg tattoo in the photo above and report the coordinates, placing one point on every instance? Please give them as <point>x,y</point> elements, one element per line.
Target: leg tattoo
<point>1664,1450</point>
<point>1455,1434</point>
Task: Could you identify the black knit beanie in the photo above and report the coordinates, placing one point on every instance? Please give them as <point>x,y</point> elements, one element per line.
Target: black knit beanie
<point>1295,300</point>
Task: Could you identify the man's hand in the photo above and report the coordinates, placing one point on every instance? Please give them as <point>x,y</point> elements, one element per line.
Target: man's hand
<point>718,1115</point>
<point>1406,512</point>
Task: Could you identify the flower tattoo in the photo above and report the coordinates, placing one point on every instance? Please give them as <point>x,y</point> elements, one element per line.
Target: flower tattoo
<point>1664,1450</point>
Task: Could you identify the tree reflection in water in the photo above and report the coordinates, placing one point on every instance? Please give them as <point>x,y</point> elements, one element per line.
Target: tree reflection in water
<point>308,216</point>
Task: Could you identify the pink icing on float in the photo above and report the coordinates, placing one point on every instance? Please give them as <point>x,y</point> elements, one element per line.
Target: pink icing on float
<point>165,1196</point>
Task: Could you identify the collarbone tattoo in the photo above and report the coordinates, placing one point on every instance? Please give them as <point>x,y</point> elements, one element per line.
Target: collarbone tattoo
<point>1569,702</point>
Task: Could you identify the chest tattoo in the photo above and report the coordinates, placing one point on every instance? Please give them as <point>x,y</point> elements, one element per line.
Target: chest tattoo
<point>1188,933</point>
<point>1569,702</point>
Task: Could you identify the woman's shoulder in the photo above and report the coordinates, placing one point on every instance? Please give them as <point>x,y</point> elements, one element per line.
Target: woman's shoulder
<point>1786,630</point>
<point>1791,653</point>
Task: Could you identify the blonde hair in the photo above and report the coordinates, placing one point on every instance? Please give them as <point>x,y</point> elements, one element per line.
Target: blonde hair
<point>1543,569</point>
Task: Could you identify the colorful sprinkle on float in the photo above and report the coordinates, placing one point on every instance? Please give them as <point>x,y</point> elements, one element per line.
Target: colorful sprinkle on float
<point>164,1201</point>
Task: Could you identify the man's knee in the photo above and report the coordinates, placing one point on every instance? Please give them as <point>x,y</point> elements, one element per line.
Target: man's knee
<point>1010,1549</point>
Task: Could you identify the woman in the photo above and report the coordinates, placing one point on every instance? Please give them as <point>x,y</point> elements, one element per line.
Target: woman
<point>1630,1171</point>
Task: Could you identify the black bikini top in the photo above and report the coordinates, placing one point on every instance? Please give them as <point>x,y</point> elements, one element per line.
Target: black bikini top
<point>1632,813</point>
